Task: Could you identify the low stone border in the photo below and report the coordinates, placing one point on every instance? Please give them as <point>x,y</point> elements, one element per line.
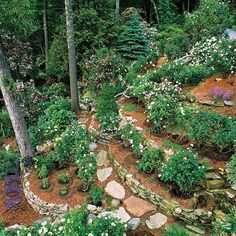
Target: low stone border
<point>197,217</point>
<point>39,205</point>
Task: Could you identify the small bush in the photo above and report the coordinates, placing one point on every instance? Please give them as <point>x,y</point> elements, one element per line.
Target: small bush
<point>45,183</point>
<point>175,230</point>
<point>152,160</point>
<point>43,172</point>
<point>231,167</point>
<point>131,107</point>
<point>63,178</point>
<point>6,129</point>
<point>96,195</point>
<point>183,170</point>
<point>64,191</point>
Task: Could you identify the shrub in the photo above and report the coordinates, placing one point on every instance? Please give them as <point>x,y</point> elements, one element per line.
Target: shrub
<point>175,230</point>
<point>183,170</point>
<point>152,160</point>
<point>63,178</point>
<point>210,19</point>
<point>107,109</point>
<point>6,129</point>
<point>8,163</point>
<point>104,67</point>
<point>43,172</point>
<point>57,89</point>
<point>131,107</point>
<point>45,183</point>
<point>212,130</point>
<point>64,191</point>
<point>54,120</point>
<point>132,138</point>
<point>132,42</point>
<point>231,167</point>
<point>96,195</point>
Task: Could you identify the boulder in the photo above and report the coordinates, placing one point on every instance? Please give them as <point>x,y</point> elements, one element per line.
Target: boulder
<point>104,174</point>
<point>115,189</point>
<point>156,221</point>
<point>215,184</point>
<point>229,103</point>
<point>134,223</point>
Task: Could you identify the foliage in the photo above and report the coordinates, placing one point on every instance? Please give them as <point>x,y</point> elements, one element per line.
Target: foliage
<point>175,230</point>
<point>104,67</point>
<point>57,89</point>
<point>64,191</point>
<point>183,170</point>
<point>132,138</point>
<point>212,130</point>
<point>210,19</point>
<point>107,109</point>
<point>6,129</point>
<point>45,183</point>
<point>131,107</point>
<point>96,195</point>
<point>63,178</point>
<point>152,160</point>
<point>8,163</point>
<point>132,42</point>
<point>54,120</point>
<point>43,172</point>
<point>231,167</point>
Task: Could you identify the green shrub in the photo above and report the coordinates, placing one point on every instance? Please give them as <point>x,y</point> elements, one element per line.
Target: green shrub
<point>132,42</point>
<point>57,89</point>
<point>231,173</point>
<point>152,160</point>
<point>212,130</point>
<point>63,178</point>
<point>107,109</point>
<point>8,163</point>
<point>183,170</point>
<point>96,195</point>
<point>64,191</point>
<point>132,107</point>
<point>6,129</point>
<point>175,230</point>
<point>43,172</point>
<point>45,183</point>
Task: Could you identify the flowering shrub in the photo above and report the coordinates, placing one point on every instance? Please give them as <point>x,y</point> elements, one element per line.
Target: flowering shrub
<point>96,195</point>
<point>76,223</point>
<point>107,109</point>
<point>183,170</point>
<point>217,93</point>
<point>152,160</point>
<point>132,138</point>
<point>104,67</point>
<point>228,95</point>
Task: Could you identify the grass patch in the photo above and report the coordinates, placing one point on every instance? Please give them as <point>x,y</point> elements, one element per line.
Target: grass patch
<point>176,147</point>
<point>130,107</point>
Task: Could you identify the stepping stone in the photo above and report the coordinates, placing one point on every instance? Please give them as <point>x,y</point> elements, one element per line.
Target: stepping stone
<point>120,214</point>
<point>134,223</point>
<point>156,221</point>
<point>92,147</point>
<point>138,207</point>
<point>115,190</point>
<point>103,174</point>
<point>101,159</point>
<point>115,203</point>
<point>229,103</point>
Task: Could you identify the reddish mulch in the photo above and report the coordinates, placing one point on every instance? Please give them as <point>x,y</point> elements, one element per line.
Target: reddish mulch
<point>9,141</point>
<point>161,61</point>
<point>201,93</point>
<point>25,214</point>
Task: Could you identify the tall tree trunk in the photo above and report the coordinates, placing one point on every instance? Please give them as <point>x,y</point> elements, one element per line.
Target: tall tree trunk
<point>117,8</point>
<point>188,5</point>
<point>45,28</point>
<point>17,120</point>
<point>156,12</point>
<point>71,56</point>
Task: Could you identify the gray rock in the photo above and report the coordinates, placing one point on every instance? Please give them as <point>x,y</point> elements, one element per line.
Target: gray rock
<point>115,203</point>
<point>234,187</point>
<point>91,216</point>
<point>212,175</point>
<point>208,103</point>
<point>101,159</point>
<point>229,103</point>
<point>199,212</point>
<point>230,193</point>
<point>91,207</point>
<point>42,221</point>
<point>92,147</point>
<point>156,221</point>
<point>134,223</point>
<point>215,184</point>
<point>13,227</point>
<point>115,189</point>
<point>104,174</point>
<point>195,229</point>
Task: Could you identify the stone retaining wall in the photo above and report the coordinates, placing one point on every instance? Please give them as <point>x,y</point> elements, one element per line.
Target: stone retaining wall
<point>197,217</point>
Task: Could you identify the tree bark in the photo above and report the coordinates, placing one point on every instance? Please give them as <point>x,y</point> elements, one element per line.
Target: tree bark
<point>17,120</point>
<point>117,8</point>
<point>156,12</point>
<point>71,56</point>
<point>45,28</point>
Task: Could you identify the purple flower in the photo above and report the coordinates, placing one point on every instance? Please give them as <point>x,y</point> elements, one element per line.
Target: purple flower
<point>228,95</point>
<point>216,92</point>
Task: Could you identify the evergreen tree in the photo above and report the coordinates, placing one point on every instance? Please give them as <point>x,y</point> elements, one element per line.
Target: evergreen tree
<point>166,11</point>
<point>132,42</point>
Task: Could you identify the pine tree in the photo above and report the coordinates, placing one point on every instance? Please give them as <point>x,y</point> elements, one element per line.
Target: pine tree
<point>132,42</point>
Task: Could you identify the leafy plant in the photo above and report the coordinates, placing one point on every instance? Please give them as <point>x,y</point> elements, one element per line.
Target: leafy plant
<point>64,191</point>
<point>231,167</point>
<point>183,170</point>
<point>175,230</point>
<point>43,172</point>
<point>63,178</point>
<point>6,129</point>
<point>132,107</point>
<point>45,183</point>
<point>152,160</point>
<point>96,195</point>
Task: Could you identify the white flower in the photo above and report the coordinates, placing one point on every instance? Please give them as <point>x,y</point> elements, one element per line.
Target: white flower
<point>60,228</point>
